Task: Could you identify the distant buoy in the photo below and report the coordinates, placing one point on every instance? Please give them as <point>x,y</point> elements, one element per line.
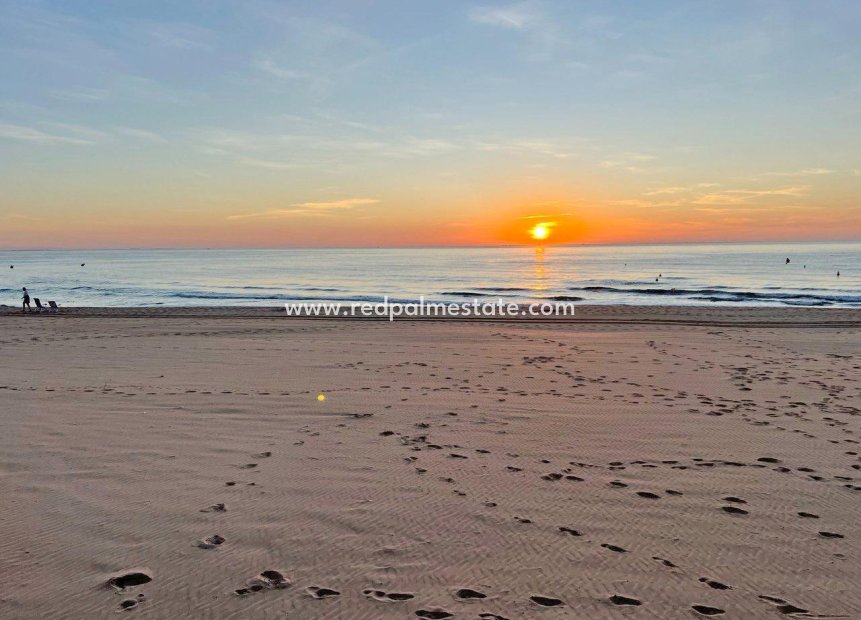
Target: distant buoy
<point>787,261</point>
<point>82,264</point>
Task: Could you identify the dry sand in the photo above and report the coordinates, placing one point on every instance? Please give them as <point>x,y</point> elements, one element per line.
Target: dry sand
<point>633,463</point>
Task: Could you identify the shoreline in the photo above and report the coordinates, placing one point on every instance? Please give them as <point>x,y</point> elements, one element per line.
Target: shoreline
<point>770,316</point>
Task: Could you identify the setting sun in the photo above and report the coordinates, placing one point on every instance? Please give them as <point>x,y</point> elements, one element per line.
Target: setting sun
<point>541,231</point>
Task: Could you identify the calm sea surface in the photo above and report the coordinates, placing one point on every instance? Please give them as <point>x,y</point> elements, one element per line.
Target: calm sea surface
<point>726,274</point>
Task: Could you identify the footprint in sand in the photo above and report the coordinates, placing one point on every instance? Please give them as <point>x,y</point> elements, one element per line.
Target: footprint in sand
<point>434,614</point>
<point>618,599</point>
<point>388,597</point>
<point>808,515</point>
<point>319,593</point>
<point>211,542</point>
<point>129,580</point>
<point>267,580</point>
<point>733,510</point>
<point>215,508</point>
<point>131,603</point>
<point>666,563</point>
<point>545,601</point>
<point>783,606</point>
<point>570,531</point>
<point>717,585</point>
<point>705,610</point>
<point>615,548</point>
<point>831,535</point>
<point>468,594</point>
<point>648,495</point>
<point>263,455</point>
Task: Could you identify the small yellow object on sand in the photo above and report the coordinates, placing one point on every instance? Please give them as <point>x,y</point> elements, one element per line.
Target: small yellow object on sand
<point>321,397</point>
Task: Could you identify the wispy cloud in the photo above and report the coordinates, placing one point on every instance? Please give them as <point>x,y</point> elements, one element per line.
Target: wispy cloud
<point>308,208</point>
<point>140,134</point>
<point>267,163</point>
<point>70,133</point>
<point>181,36</point>
<point>518,16</point>
<point>540,147</point>
<point>807,172</point>
<point>267,65</point>
<point>679,189</point>
<point>31,134</point>
<point>347,203</point>
<point>85,95</point>
<point>632,162</point>
<point>529,20</point>
<point>646,204</point>
<point>783,208</point>
<point>742,196</point>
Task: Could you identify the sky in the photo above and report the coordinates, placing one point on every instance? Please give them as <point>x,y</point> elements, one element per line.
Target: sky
<point>257,123</point>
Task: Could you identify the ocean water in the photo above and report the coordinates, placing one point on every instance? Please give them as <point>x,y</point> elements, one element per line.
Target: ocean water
<point>684,274</point>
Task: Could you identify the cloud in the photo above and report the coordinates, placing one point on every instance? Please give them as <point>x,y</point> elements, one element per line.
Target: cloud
<point>347,203</point>
<point>517,17</point>
<point>266,163</point>
<point>539,147</point>
<point>667,190</point>
<point>141,134</point>
<point>308,208</point>
<point>807,172</point>
<point>679,189</point>
<point>272,68</point>
<point>645,204</point>
<point>742,196</point>
<point>86,95</point>
<point>181,36</point>
<point>30,134</point>
<point>627,161</point>
<point>76,131</point>
<point>758,209</point>
<point>539,31</point>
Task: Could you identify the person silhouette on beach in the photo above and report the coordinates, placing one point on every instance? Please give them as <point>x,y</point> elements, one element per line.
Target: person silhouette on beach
<point>25,305</point>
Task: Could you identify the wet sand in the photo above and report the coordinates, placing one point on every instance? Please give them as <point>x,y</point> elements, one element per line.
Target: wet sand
<point>630,463</point>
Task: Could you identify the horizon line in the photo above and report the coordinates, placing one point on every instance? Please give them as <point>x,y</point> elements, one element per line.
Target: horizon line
<point>430,247</point>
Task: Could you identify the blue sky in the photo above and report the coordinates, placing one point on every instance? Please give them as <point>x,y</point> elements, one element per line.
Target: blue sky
<point>253,122</point>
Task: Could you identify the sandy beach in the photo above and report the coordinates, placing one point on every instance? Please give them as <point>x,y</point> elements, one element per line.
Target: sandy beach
<point>627,463</point>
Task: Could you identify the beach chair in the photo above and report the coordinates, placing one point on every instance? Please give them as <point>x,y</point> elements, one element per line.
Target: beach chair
<point>39,306</point>
<point>53,307</point>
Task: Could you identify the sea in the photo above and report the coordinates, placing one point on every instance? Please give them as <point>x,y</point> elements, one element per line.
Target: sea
<point>725,274</point>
